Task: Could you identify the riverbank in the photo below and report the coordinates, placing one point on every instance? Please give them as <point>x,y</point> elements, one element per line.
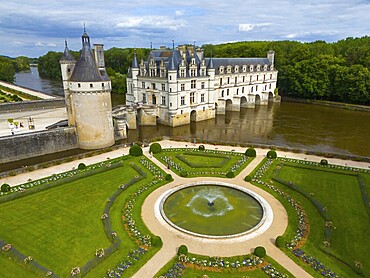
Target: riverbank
<point>347,106</point>
<point>23,91</point>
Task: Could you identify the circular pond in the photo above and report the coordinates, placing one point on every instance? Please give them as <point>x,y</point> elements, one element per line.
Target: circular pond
<point>213,209</point>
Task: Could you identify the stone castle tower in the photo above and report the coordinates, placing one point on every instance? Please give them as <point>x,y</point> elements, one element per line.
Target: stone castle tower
<point>87,90</point>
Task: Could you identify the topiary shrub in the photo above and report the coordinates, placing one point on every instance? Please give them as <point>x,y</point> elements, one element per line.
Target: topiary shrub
<point>260,251</point>
<point>324,162</point>
<point>5,187</point>
<point>183,173</point>
<point>81,166</point>
<point>201,147</point>
<point>156,241</point>
<point>271,154</point>
<point>280,242</point>
<point>250,152</point>
<point>230,174</point>
<point>168,177</point>
<point>248,178</point>
<point>136,150</point>
<point>183,249</point>
<point>155,148</point>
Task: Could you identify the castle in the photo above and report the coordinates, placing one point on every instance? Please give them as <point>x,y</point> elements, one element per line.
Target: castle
<point>87,90</point>
<point>183,86</point>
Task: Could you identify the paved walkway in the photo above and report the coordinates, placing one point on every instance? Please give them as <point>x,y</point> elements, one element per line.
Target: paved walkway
<point>41,119</point>
<point>172,239</point>
<point>26,90</point>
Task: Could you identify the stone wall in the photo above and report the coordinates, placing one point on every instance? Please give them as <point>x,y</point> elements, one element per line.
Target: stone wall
<point>32,105</point>
<point>23,146</point>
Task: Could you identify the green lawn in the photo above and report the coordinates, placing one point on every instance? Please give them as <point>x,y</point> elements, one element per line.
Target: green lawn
<point>339,191</point>
<point>61,227</point>
<point>203,163</point>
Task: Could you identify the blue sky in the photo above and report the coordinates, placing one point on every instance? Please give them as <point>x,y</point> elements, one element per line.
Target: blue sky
<point>34,27</point>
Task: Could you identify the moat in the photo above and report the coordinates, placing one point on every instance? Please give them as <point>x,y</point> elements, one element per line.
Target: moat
<point>295,125</point>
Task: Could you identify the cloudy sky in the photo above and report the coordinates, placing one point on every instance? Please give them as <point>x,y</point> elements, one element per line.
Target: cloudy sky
<point>34,27</point>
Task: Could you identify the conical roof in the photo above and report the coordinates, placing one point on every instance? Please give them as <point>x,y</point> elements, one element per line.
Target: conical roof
<point>67,56</point>
<point>86,69</point>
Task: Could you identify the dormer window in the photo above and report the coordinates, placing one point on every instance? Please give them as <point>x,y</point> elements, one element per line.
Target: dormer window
<point>244,68</point>
<point>229,69</point>
<point>236,69</point>
<point>258,67</point>
<point>265,67</point>
<point>251,68</point>
<point>221,69</point>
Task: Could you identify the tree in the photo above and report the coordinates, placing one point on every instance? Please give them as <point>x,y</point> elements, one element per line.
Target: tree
<point>7,69</point>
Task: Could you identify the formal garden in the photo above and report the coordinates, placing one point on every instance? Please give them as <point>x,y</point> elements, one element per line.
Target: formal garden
<point>87,221</point>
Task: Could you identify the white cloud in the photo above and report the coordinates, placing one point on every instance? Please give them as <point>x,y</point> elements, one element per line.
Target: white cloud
<point>39,44</point>
<point>245,27</point>
<point>291,36</point>
<point>158,22</point>
<point>52,44</point>
<point>179,13</point>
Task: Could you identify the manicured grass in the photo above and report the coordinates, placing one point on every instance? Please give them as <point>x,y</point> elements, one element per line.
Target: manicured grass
<point>340,193</point>
<point>63,223</point>
<point>11,269</point>
<point>342,196</point>
<point>203,163</point>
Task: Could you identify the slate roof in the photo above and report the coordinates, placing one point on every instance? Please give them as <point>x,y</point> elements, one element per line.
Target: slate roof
<point>67,56</point>
<point>217,62</point>
<point>86,69</point>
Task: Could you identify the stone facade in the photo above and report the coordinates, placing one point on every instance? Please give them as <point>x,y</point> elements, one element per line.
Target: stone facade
<point>87,91</point>
<point>184,86</point>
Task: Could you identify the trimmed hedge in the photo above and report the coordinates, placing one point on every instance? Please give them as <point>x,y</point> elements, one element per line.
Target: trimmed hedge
<point>183,250</point>
<point>183,173</point>
<point>168,177</point>
<point>248,178</point>
<point>280,242</point>
<point>260,251</point>
<point>155,148</point>
<point>81,166</point>
<point>156,241</point>
<point>136,150</point>
<point>324,162</point>
<point>201,147</point>
<point>5,187</point>
<point>271,154</point>
<point>251,152</point>
<point>230,174</point>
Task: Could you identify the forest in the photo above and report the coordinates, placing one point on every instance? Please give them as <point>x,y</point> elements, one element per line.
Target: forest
<point>9,66</point>
<point>338,71</point>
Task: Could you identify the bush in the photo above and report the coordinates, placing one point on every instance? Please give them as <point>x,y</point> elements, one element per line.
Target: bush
<point>136,150</point>
<point>183,173</point>
<point>324,162</point>
<point>5,187</point>
<point>280,242</point>
<point>81,166</point>
<point>168,177</point>
<point>250,152</point>
<point>248,178</point>
<point>155,148</point>
<point>183,249</point>
<point>201,147</point>
<point>260,251</point>
<point>271,154</point>
<point>156,241</point>
<point>230,174</point>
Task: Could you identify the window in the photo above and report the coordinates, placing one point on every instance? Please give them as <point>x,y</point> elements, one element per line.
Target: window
<point>144,98</point>
<point>228,91</point>
<point>270,76</point>
<point>264,77</point>
<point>182,73</point>
<point>202,85</point>
<point>265,87</point>
<point>270,86</point>
<point>69,70</point>
<point>192,72</point>
<point>236,80</point>
<point>222,93</point>
<point>220,81</point>
<point>252,89</point>
<point>243,78</point>
<point>182,100</point>
<point>228,80</point>
<point>163,87</point>
<point>193,84</point>
<point>250,78</point>
<point>202,98</point>
<point>153,86</point>
<point>257,77</point>
<point>192,97</point>
<point>79,85</point>
<point>182,87</point>
<point>102,84</point>
<point>163,100</point>
<point>237,91</point>
<point>203,72</point>
<point>243,90</point>
<point>91,85</point>
<point>154,99</point>
<point>256,88</point>
<point>143,85</point>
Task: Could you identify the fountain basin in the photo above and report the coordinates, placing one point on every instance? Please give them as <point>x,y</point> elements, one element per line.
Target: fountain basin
<point>215,210</point>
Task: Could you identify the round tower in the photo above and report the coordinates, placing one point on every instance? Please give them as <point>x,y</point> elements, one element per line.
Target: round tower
<point>91,108</point>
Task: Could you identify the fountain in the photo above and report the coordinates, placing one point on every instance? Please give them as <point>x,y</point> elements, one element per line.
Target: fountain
<point>213,209</point>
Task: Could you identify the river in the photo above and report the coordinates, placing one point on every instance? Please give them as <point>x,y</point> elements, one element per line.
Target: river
<point>311,127</point>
